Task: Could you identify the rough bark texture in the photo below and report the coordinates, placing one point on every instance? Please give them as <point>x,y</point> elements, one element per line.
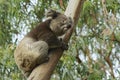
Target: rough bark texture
<point>44,71</point>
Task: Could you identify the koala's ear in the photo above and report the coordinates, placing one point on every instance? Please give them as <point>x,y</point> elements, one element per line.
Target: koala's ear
<point>51,14</point>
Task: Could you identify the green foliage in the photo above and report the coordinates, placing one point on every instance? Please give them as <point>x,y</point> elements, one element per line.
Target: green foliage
<point>8,68</point>
<point>93,49</point>
<point>113,5</point>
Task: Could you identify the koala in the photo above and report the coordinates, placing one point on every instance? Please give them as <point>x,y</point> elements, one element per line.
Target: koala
<point>33,49</point>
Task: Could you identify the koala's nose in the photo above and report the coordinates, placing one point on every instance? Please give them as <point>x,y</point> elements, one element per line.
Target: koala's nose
<point>69,25</point>
<point>70,22</point>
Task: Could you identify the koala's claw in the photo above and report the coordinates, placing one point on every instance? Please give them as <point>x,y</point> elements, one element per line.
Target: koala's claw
<point>47,58</point>
<point>64,46</point>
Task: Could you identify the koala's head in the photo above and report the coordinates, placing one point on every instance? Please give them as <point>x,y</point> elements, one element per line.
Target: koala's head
<point>60,23</point>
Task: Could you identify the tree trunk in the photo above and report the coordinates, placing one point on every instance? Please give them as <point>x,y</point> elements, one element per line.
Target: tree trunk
<point>44,71</point>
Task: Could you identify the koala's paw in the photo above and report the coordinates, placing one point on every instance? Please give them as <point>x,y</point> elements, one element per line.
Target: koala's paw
<point>46,59</point>
<point>27,73</point>
<point>64,46</point>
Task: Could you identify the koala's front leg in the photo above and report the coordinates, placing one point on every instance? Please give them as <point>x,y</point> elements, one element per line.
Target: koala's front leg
<point>57,43</point>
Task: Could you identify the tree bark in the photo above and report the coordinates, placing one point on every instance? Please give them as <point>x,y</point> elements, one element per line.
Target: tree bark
<point>44,71</point>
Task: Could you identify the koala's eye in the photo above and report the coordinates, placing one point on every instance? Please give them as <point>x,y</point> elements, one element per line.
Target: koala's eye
<point>64,21</point>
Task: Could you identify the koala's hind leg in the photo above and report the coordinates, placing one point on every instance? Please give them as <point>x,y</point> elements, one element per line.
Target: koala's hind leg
<point>37,54</point>
<point>29,55</point>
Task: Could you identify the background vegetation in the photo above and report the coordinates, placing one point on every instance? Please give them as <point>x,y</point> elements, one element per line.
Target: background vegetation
<point>94,49</point>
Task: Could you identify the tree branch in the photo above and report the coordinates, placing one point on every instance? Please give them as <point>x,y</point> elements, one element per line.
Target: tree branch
<point>44,71</point>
